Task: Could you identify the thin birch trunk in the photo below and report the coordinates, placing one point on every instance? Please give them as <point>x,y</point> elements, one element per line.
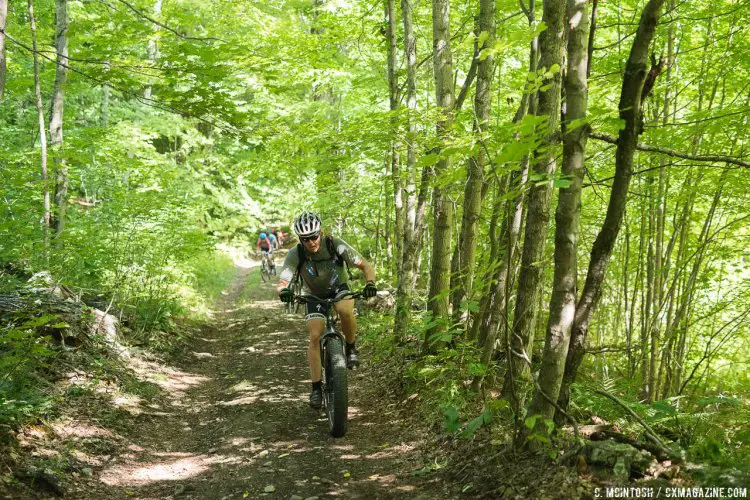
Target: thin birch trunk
<point>104,117</point>
<point>390,13</point>
<point>412,223</point>
<point>3,65</point>
<point>153,47</point>
<point>46,217</point>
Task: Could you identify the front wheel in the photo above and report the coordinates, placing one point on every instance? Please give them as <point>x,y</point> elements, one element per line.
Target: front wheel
<point>265,273</point>
<point>335,391</point>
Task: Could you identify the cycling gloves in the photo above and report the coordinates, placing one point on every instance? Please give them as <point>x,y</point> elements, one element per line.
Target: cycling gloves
<point>370,290</point>
<point>286,295</point>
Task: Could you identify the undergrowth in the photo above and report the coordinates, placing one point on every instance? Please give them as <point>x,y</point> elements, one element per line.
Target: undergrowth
<point>33,352</point>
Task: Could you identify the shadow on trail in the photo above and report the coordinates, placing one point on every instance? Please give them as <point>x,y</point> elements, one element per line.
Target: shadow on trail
<point>234,421</point>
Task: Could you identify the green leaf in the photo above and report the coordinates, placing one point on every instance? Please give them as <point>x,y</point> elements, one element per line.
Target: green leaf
<point>530,422</point>
<point>452,420</point>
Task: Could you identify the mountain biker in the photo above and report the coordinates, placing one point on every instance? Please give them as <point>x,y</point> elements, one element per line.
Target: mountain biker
<point>266,246</point>
<point>274,241</point>
<point>321,267</point>
<point>279,236</point>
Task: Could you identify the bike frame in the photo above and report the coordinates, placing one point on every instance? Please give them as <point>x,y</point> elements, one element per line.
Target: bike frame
<point>335,387</point>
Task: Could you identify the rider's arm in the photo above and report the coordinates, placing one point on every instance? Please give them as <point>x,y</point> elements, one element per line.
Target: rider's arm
<point>367,269</point>
<point>291,261</point>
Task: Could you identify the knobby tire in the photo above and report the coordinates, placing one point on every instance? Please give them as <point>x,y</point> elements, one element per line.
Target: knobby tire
<point>265,273</point>
<point>336,391</point>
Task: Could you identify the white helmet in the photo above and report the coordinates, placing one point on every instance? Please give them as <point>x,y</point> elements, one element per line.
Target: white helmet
<point>307,224</point>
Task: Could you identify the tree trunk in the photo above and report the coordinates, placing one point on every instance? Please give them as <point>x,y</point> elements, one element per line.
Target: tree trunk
<point>42,131</point>
<point>104,117</point>
<point>3,66</point>
<point>153,48</point>
<point>412,227</point>
<point>442,205</point>
<point>467,242</point>
<point>495,316</point>
<point>564,293</point>
<point>630,113</point>
<point>56,116</point>
<point>540,193</point>
<point>390,12</point>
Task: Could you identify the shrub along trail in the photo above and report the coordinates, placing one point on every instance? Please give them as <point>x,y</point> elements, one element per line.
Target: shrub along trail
<point>230,419</point>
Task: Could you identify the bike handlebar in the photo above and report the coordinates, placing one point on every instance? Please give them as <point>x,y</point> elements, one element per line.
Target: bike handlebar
<point>303,299</point>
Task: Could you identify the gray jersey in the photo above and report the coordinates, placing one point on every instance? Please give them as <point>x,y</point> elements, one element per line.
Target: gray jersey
<point>320,274</point>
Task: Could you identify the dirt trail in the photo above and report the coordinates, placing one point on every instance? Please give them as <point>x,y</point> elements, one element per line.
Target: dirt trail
<point>232,421</point>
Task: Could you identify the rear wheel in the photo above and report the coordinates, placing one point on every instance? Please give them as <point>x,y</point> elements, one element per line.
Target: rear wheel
<point>335,392</point>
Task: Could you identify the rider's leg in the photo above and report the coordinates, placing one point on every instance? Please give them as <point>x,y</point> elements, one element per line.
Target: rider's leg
<point>315,329</point>
<point>345,308</point>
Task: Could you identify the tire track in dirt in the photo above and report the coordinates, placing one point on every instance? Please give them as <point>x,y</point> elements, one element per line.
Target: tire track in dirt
<point>236,423</point>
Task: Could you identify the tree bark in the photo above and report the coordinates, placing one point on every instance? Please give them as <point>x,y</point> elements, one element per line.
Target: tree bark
<point>395,160</point>
<point>442,205</point>
<point>153,48</point>
<point>564,293</point>
<point>42,131</point>
<point>56,116</point>
<point>3,65</point>
<point>412,225</point>
<point>540,193</point>
<point>104,117</point>
<point>630,113</point>
<point>467,242</point>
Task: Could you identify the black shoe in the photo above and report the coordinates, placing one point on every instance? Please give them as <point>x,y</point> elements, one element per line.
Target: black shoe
<point>352,360</point>
<point>316,399</point>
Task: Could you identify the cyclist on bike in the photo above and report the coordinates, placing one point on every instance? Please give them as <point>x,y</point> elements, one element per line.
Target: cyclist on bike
<point>320,262</point>
<point>266,246</point>
<point>279,236</point>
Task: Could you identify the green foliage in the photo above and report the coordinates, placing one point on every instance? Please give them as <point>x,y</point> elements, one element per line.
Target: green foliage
<point>23,353</point>
<point>711,429</point>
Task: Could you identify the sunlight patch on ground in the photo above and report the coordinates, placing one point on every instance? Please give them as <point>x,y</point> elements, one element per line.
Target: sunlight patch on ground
<point>67,429</point>
<point>279,350</point>
<point>207,340</point>
<point>244,400</point>
<point>267,304</point>
<point>238,255</point>
<point>342,447</point>
<point>241,308</point>
<point>168,378</point>
<point>45,453</point>
<point>184,467</point>
<point>86,458</point>
<point>244,385</point>
<point>128,402</point>
<point>237,441</point>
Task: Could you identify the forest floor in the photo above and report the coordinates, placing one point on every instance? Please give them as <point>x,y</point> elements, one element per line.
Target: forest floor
<point>229,418</point>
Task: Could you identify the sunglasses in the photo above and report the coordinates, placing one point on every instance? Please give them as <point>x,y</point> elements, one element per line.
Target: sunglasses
<point>309,238</point>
